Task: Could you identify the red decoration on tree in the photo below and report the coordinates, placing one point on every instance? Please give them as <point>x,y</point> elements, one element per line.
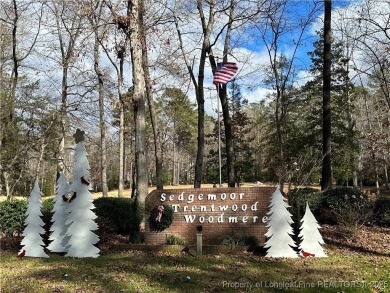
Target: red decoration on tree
<point>73,197</point>
<point>23,253</point>
<point>64,198</point>
<point>85,181</point>
<point>160,211</point>
<point>307,254</point>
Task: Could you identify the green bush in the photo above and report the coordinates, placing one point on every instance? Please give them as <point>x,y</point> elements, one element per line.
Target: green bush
<point>166,219</point>
<point>382,211</point>
<point>297,199</point>
<point>124,214</point>
<point>250,240</point>
<point>47,206</point>
<point>346,206</point>
<point>12,216</point>
<point>246,240</point>
<point>174,240</point>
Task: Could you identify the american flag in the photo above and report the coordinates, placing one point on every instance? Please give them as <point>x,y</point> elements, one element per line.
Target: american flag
<point>225,72</point>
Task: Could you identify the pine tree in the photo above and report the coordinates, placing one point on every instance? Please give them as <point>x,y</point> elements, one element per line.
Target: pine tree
<point>279,231</point>
<point>81,217</point>
<point>32,242</point>
<point>243,160</point>
<point>311,239</point>
<point>60,214</point>
<point>344,136</point>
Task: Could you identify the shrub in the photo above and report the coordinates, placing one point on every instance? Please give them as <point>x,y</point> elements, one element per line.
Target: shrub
<point>166,219</point>
<point>346,206</point>
<point>382,211</point>
<point>174,240</point>
<point>12,216</point>
<point>297,199</point>
<point>123,214</point>
<point>250,240</point>
<point>47,206</point>
<point>246,240</point>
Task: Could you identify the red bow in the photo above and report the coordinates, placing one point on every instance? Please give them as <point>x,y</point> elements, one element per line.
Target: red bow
<point>73,197</point>
<point>160,211</point>
<point>85,181</point>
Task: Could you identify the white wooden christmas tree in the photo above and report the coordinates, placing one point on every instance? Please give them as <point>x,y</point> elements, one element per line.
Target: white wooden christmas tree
<point>279,232</point>
<point>60,215</point>
<point>311,239</point>
<point>32,243</point>
<point>81,218</point>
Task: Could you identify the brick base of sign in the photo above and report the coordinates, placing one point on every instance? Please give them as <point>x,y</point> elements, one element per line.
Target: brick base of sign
<point>222,212</point>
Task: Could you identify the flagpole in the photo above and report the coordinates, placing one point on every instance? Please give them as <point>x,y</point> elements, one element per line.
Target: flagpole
<point>222,76</point>
<point>219,140</point>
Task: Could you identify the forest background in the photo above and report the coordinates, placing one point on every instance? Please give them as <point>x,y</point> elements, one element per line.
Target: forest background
<point>137,78</point>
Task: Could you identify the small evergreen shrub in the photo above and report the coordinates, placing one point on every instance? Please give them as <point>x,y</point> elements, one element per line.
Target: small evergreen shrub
<point>174,240</point>
<point>250,240</point>
<point>347,207</point>
<point>382,211</point>
<point>246,240</point>
<point>47,206</point>
<point>12,216</point>
<point>166,219</point>
<point>124,214</point>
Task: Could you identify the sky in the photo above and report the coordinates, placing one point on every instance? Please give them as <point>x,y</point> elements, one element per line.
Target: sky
<point>256,55</point>
<point>251,56</point>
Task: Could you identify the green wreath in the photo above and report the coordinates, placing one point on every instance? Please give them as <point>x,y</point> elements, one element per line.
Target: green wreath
<point>165,221</point>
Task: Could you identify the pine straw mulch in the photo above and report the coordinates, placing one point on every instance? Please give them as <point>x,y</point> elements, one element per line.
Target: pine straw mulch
<point>366,239</point>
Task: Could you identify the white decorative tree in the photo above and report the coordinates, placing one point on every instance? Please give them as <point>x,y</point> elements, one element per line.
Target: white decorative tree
<point>60,214</point>
<point>279,231</point>
<point>32,242</point>
<point>81,218</point>
<point>311,239</point>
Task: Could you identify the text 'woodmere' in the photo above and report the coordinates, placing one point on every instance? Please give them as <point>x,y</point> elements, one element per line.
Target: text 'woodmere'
<point>211,207</point>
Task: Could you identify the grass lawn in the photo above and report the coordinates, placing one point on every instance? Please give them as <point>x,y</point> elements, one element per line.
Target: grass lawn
<point>342,271</point>
<point>355,264</point>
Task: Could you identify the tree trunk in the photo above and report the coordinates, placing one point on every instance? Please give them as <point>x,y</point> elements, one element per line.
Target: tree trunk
<point>63,120</point>
<point>121,124</point>
<point>140,152</point>
<point>230,162</point>
<point>326,181</point>
<point>138,99</point>
<point>121,146</point>
<point>103,147</point>
<point>152,107</point>
<point>206,48</point>
<point>15,61</point>
<point>200,151</point>
<point>6,185</point>
<point>67,51</point>
<point>174,179</point>
<point>228,137</point>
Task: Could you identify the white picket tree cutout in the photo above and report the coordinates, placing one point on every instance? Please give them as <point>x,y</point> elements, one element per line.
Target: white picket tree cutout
<point>60,214</point>
<point>81,218</point>
<point>32,243</point>
<point>279,232</point>
<point>311,239</point>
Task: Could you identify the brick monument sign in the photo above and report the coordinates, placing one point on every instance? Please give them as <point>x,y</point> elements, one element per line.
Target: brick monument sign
<point>221,212</point>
